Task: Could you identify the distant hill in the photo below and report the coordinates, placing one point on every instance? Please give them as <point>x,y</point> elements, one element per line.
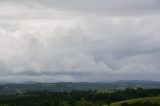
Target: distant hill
<point>4,82</point>
<point>136,81</point>
<point>12,88</point>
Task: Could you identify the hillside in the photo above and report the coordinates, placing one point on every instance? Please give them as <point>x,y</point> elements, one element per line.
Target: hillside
<point>79,98</point>
<point>150,99</point>
<point>12,88</point>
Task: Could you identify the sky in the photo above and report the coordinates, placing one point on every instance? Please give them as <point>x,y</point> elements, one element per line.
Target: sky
<point>79,40</point>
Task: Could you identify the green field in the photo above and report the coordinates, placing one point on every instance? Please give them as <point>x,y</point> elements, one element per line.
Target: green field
<point>151,99</point>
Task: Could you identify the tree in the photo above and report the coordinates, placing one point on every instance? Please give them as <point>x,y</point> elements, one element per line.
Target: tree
<point>124,104</point>
<point>108,102</point>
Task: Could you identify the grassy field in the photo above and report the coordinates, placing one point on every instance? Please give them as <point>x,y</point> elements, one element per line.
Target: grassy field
<point>151,99</point>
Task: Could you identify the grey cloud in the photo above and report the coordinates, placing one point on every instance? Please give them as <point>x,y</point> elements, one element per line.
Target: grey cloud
<point>60,9</point>
<point>101,5</point>
<point>71,51</point>
<point>76,46</point>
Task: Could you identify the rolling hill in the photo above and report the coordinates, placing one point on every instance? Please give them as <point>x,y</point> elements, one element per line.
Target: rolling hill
<point>151,99</point>
<point>12,88</point>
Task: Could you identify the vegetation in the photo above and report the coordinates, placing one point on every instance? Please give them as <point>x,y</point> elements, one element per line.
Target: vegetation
<point>8,89</point>
<point>146,103</point>
<point>77,98</point>
<point>140,101</point>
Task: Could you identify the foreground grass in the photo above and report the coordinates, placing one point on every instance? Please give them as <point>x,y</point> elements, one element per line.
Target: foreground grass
<point>151,99</point>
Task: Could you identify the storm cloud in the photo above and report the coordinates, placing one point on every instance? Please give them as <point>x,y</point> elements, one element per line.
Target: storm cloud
<point>85,40</point>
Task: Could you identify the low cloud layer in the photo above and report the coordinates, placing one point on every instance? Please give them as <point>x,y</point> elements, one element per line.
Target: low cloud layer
<point>87,40</point>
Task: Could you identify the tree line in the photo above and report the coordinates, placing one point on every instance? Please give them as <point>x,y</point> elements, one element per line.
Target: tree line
<point>74,98</point>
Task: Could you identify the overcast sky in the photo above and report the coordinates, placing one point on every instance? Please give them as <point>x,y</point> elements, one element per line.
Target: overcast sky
<point>79,40</point>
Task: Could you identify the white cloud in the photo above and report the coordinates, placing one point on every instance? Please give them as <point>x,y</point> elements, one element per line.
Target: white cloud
<point>45,39</point>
